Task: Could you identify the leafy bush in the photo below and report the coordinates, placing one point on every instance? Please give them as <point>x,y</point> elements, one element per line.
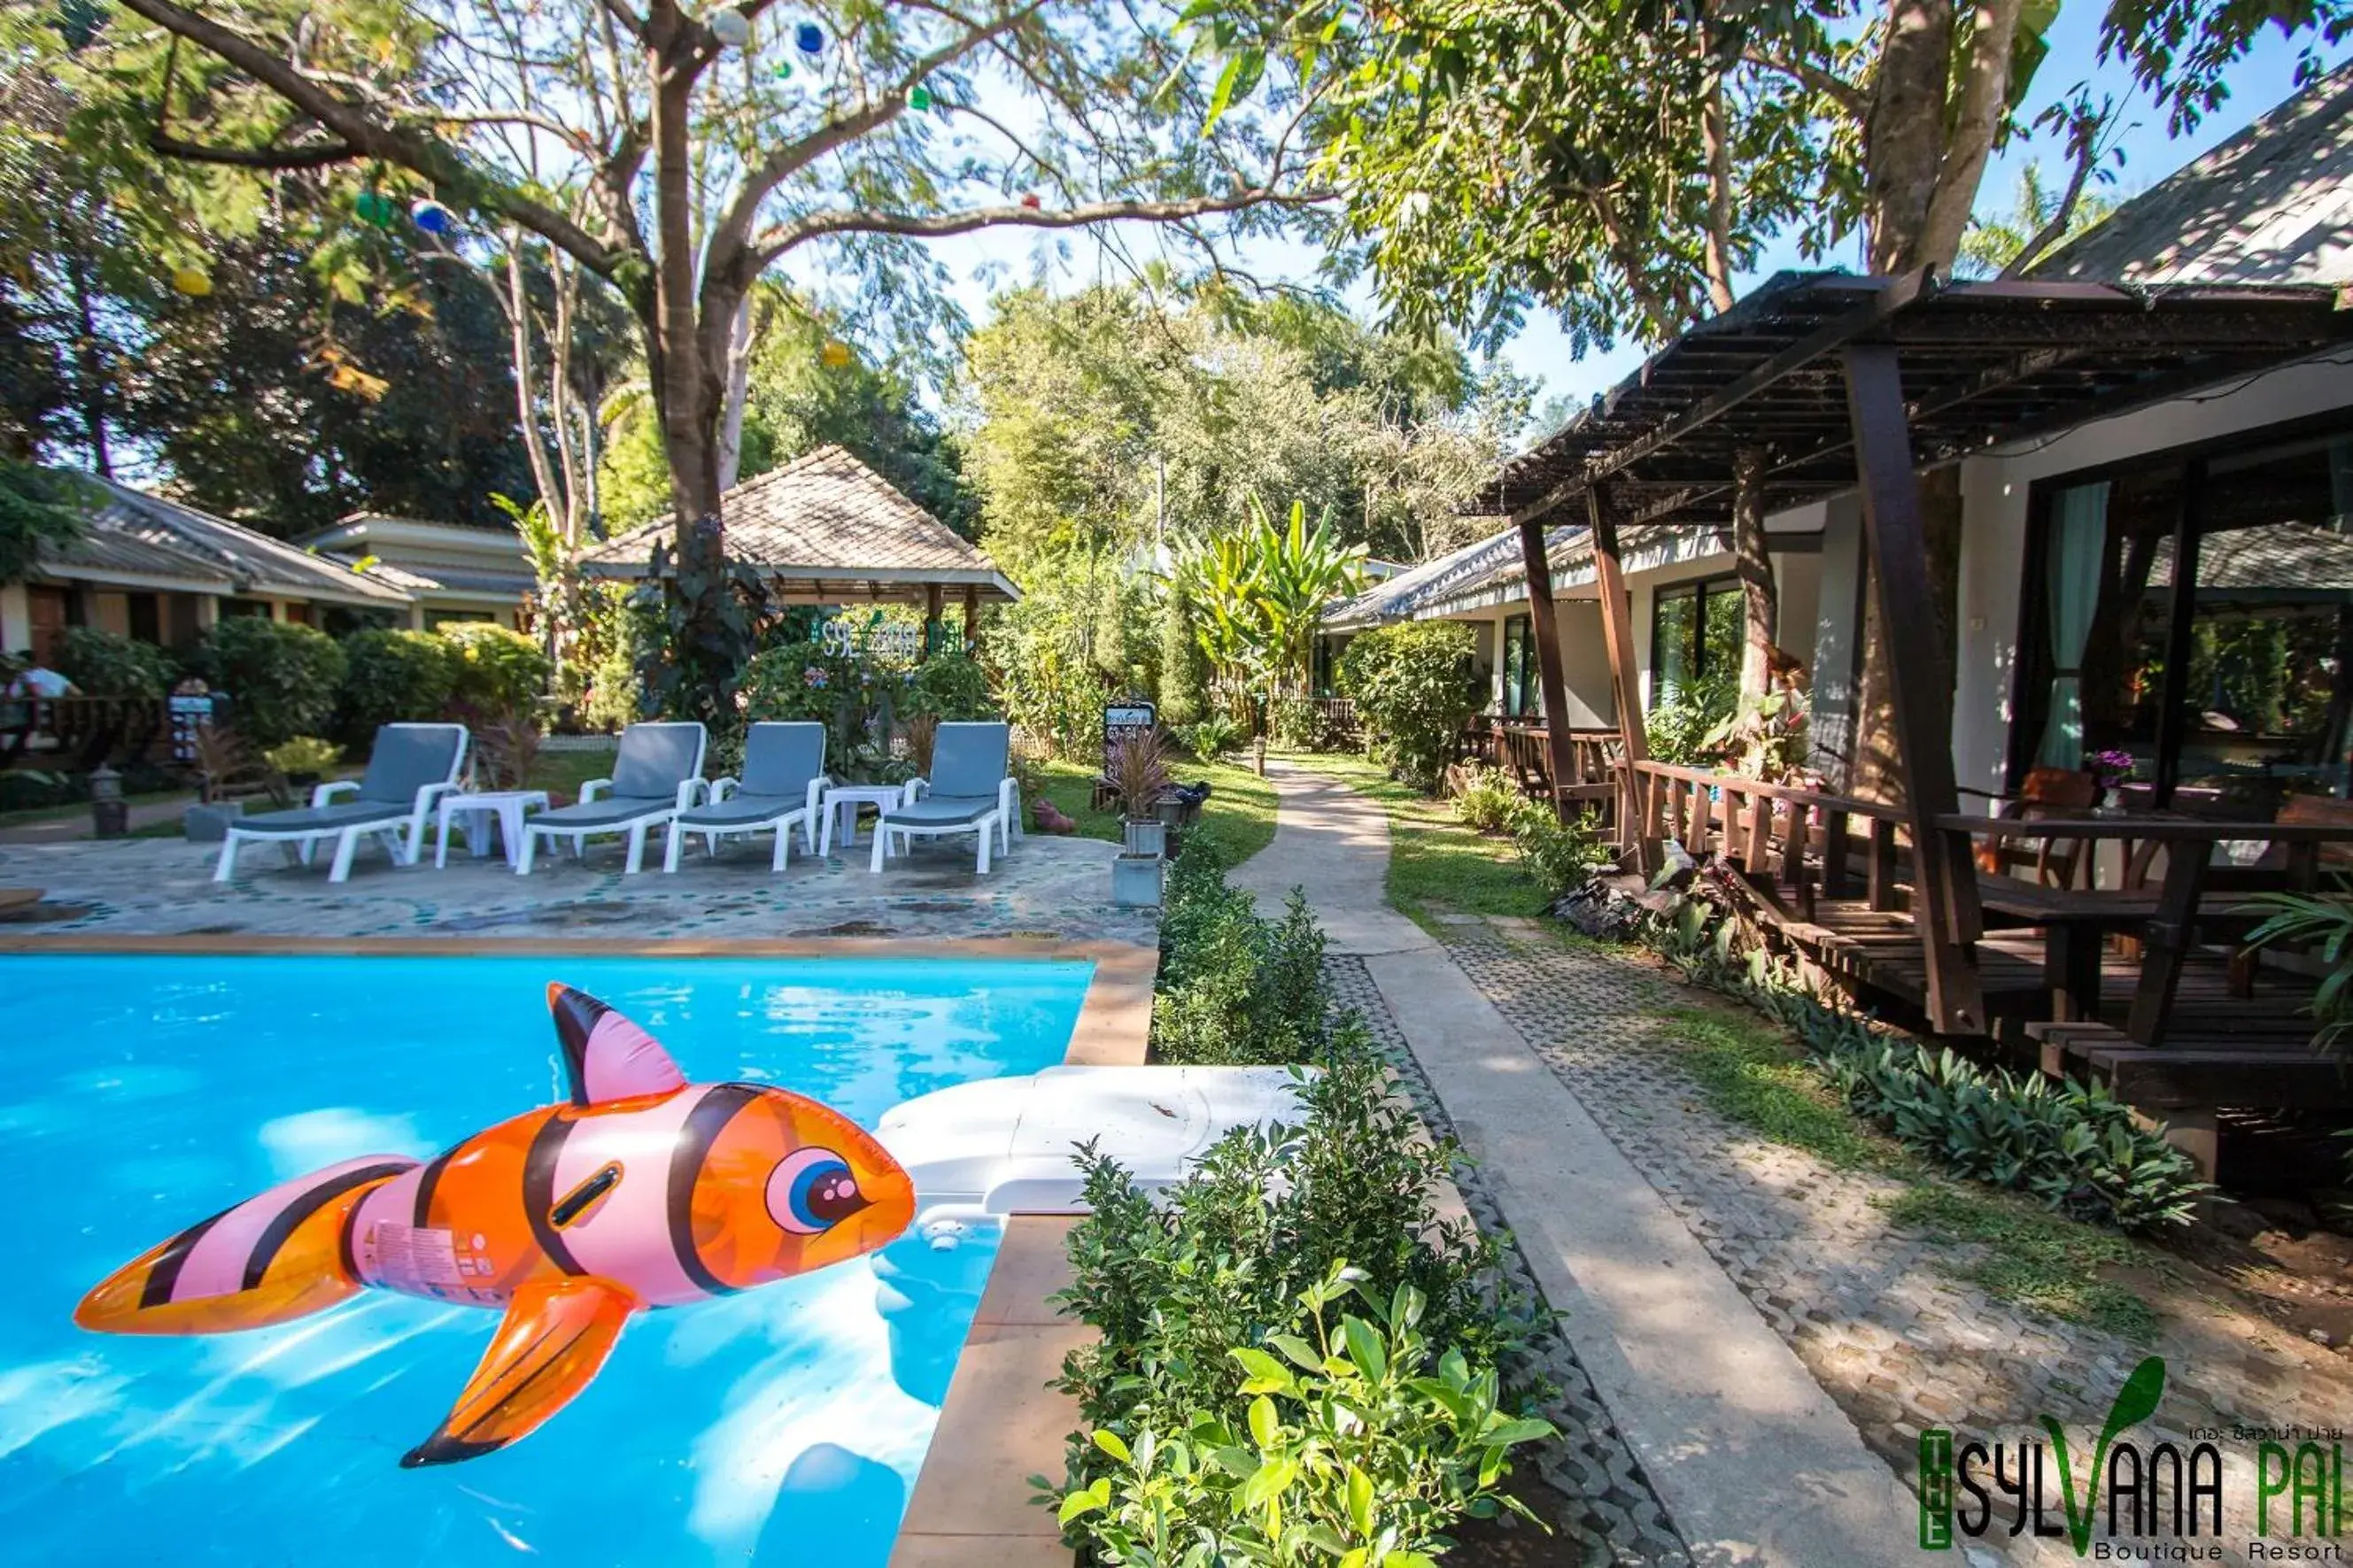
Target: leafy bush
<point>1236,989</point>
<point>947,686</point>
<point>282,678</point>
<point>2324,921</point>
<point>1206,1388</point>
<point>1488,800</point>
<point>615,644</point>
<point>1211,736</point>
<point>1557,855</point>
<point>1415,687</point>
<point>304,754</point>
<point>497,673</point>
<point>107,664</point>
<point>1184,670</point>
<point>393,678</point>
<point>1687,725</point>
<point>2074,1146</point>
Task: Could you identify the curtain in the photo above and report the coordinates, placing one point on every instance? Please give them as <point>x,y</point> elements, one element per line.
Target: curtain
<point>2079,530</point>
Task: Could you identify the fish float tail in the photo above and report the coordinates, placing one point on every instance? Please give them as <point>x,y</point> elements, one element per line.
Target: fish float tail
<point>272,1258</point>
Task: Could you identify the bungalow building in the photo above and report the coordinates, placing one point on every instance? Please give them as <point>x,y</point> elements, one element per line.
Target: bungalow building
<point>450,572</point>
<point>2069,638</point>
<point>151,568</point>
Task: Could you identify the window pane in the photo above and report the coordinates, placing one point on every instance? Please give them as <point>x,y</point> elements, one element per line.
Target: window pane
<point>1674,626</point>
<point>1727,630</point>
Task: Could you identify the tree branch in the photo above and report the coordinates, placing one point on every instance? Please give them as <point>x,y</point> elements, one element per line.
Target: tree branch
<point>2087,158</point>
<point>1814,78</point>
<point>368,136</point>
<point>933,226</point>
<point>302,156</point>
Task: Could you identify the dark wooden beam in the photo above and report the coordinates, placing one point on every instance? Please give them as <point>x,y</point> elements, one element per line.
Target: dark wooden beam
<point>1625,688</point>
<point>2173,702</point>
<point>971,615</point>
<point>1546,627</point>
<point>1945,889</point>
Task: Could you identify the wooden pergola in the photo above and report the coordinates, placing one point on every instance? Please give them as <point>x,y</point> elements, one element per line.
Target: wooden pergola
<point>1829,382</point>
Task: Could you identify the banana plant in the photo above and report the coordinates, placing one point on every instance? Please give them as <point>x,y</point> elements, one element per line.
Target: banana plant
<point>1299,571</point>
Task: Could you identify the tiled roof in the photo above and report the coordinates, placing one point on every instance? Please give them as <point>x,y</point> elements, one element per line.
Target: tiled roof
<point>414,577</point>
<point>131,531</point>
<point>825,517</point>
<point>2272,205</point>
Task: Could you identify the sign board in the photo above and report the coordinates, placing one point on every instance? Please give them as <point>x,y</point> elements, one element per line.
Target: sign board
<point>188,714</point>
<point>847,637</point>
<point>1122,720</point>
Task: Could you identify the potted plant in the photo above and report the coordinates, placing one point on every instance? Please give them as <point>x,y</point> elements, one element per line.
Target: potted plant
<point>1139,777</point>
<point>1139,774</point>
<point>304,760</point>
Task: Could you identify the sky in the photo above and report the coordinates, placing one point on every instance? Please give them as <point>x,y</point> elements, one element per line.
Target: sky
<point>981,262</point>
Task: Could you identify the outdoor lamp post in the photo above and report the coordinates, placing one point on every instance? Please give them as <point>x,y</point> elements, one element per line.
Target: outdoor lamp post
<point>108,817</point>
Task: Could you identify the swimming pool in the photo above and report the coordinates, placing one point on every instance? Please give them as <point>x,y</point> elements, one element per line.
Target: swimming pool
<point>139,1094</point>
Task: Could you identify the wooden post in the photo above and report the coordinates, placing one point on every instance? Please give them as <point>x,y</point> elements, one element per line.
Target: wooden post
<point>2173,703</point>
<point>1625,690</point>
<point>1546,628</point>
<point>1945,889</point>
<point>931,618</point>
<point>971,615</point>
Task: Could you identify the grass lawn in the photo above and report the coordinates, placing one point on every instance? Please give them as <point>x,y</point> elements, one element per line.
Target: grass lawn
<point>1239,818</point>
<point>81,808</point>
<point>1436,865</point>
<point>561,774</point>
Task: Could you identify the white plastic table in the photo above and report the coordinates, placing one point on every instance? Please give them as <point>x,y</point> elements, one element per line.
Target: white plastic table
<point>843,800</point>
<point>505,807</point>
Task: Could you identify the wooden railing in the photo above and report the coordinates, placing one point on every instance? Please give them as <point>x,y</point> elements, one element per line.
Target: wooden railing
<point>1525,750</point>
<point>80,733</point>
<point>1806,842</point>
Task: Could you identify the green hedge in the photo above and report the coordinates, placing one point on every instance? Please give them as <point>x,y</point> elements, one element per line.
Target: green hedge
<point>107,664</point>
<point>393,678</point>
<point>497,673</point>
<point>282,678</point>
<point>1415,686</point>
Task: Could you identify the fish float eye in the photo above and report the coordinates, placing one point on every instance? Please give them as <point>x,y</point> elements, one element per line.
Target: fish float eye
<point>813,1191</point>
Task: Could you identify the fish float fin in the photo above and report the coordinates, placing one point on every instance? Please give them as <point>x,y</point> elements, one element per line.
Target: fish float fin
<point>606,1056</point>
<point>550,1345</point>
<point>278,1255</point>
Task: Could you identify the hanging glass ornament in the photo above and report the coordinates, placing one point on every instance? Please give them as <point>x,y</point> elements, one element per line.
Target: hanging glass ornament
<point>784,71</point>
<point>372,206</point>
<point>1029,199</point>
<point>432,217</point>
<point>918,98</point>
<point>191,281</point>
<point>836,354</point>
<point>810,39</point>
<point>730,28</point>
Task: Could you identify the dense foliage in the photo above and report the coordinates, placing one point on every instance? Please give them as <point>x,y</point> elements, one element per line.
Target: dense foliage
<point>1296,1360</point>
<point>1557,856</point>
<point>495,673</point>
<point>107,664</point>
<point>1236,988</point>
<point>1415,687</point>
<point>393,678</point>
<point>1686,725</point>
<point>1080,637</point>
<point>282,678</point>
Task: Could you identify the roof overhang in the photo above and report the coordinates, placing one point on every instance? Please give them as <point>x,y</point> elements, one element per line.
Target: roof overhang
<point>146,581</point>
<point>831,584</point>
<point>1982,363</point>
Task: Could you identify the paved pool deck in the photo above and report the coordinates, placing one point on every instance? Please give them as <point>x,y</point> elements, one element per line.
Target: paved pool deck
<point>1046,888</point>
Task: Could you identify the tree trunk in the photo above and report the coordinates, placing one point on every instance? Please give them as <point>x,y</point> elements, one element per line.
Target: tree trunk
<point>90,366</point>
<point>1760,596</point>
<point>739,377</point>
<point>687,388</point>
<point>1903,142</point>
<point>1876,773</point>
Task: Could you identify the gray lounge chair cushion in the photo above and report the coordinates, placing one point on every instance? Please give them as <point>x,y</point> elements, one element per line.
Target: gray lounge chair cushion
<point>942,810</point>
<point>407,757</point>
<point>655,759</point>
<point>968,760</point>
<point>780,759</point>
<point>333,818</point>
<point>609,811</point>
<point>741,810</point>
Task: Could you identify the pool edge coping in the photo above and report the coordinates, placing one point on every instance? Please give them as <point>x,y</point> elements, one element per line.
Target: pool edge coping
<point>999,1421</point>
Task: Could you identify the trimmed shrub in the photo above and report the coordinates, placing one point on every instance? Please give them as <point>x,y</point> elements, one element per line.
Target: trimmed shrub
<point>107,664</point>
<point>1184,670</point>
<point>393,678</point>
<point>1236,989</point>
<point>1415,687</point>
<point>497,673</point>
<point>282,678</point>
<point>947,686</point>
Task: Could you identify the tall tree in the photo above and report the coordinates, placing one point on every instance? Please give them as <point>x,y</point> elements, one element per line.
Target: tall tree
<point>690,163</point>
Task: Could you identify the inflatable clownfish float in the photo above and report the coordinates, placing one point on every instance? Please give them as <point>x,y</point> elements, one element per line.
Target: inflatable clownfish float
<point>643,1190</point>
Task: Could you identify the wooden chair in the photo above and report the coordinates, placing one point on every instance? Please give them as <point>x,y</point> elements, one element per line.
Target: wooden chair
<point>2047,792</point>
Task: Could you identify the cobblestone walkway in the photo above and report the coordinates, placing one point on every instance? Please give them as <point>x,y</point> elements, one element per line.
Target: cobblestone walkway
<point>1874,1311</point>
<point>1605,1504</point>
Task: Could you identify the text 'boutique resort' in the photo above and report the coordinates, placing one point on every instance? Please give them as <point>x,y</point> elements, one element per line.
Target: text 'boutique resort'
<point>1506,782</point>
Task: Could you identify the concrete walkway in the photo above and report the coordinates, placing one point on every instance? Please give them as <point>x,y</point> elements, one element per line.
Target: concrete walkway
<point>1751,1459</point>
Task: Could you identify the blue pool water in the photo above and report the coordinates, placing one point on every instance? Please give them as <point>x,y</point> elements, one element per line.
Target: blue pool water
<point>784,1426</point>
